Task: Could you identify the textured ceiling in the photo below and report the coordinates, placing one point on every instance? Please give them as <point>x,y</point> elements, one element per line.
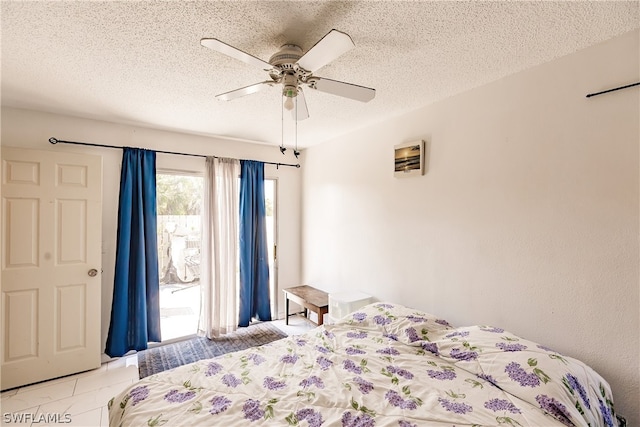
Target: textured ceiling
<point>141,62</point>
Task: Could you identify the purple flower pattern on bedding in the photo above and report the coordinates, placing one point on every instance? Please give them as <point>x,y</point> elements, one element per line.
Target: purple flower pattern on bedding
<point>412,334</point>
<point>447,374</point>
<point>359,317</point>
<point>499,405</point>
<point>607,413</point>
<point>555,408</point>
<point>357,420</point>
<point>357,334</point>
<point>324,363</point>
<point>213,368</point>
<point>256,359</point>
<point>460,354</point>
<point>519,375</point>
<point>350,366</point>
<point>175,396</point>
<point>457,407</point>
<point>271,383</point>
<point>313,418</point>
<point>573,384</point>
<point>351,351</point>
<point>511,347</point>
<point>493,329</point>
<point>401,372</point>
<point>252,411</point>
<point>383,365</point>
<point>323,349</point>
<point>231,380</point>
<point>389,351</point>
<point>289,358</point>
<point>219,404</point>
<point>442,322</point>
<point>397,400</point>
<point>364,386</point>
<point>431,347</point>
<point>139,394</point>
<point>381,320</point>
<point>312,381</point>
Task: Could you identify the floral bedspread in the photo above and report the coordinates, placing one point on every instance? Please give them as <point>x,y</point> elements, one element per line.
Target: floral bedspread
<point>384,365</point>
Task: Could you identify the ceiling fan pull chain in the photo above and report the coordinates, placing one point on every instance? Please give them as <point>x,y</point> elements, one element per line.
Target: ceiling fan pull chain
<point>282,149</point>
<point>295,151</point>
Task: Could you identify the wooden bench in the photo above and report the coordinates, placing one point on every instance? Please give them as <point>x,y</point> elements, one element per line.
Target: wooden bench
<point>310,299</point>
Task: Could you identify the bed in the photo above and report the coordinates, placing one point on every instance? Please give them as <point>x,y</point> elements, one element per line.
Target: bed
<point>383,365</point>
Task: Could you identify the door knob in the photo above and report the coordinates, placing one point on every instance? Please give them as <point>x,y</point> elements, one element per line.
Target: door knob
<point>93,272</point>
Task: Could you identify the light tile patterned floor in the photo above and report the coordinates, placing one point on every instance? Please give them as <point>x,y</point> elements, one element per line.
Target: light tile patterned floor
<point>81,399</point>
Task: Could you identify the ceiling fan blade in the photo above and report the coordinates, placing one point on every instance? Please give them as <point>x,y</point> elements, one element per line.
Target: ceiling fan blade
<point>347,90</point>
<point>330,47</point>
<point>300,112</point>
<point>247,90</point>
<point>233,52</point>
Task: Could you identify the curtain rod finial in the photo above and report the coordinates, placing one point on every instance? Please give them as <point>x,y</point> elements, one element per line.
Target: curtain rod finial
<point>53,140</point>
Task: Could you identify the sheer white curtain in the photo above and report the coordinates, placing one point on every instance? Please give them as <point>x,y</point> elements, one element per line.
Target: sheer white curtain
<point>219,249</point>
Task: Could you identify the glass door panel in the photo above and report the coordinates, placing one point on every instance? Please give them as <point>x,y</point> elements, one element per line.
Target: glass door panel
<point>178,200</point>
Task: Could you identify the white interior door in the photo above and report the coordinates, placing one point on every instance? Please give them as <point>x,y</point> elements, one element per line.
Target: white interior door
<point>51,264</point>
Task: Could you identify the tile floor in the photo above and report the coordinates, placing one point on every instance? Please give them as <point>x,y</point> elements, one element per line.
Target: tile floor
<point>81,399</point>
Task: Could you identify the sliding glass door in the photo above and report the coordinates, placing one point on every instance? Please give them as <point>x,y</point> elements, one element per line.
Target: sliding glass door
<point>179,198</point>
<point>270,195</point>
<point>179,222</point>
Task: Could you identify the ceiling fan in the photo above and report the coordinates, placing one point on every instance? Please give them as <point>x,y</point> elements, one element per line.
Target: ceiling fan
<point>292,68</point>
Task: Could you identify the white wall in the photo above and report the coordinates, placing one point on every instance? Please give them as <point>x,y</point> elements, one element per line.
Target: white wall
<point>527,217</point>
<point>30,129</point>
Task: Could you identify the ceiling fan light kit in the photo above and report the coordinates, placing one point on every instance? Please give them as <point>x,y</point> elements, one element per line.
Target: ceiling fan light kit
<point>289,90</point>
<point>293,69</point>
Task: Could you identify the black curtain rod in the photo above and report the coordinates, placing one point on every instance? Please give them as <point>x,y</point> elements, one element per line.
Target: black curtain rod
<point>612,90</point>
<point>53,140</point>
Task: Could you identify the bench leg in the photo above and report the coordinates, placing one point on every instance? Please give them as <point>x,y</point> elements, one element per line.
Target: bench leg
<point>286,311</point>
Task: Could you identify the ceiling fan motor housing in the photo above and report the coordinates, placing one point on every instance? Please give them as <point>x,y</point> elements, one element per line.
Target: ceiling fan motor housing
<point>286,56</point>
<point>286,69</point>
